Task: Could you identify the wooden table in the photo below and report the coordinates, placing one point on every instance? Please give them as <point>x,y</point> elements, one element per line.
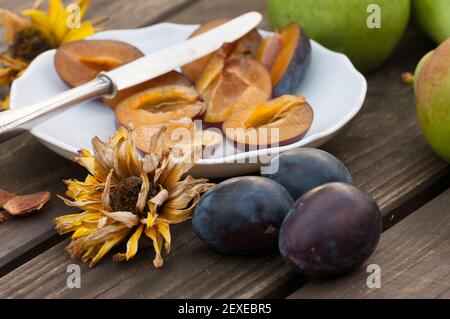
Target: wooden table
<point>383,148</point>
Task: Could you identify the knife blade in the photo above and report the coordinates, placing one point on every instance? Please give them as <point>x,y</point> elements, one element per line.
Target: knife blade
<point>14,122</point>
<point>183,53</point>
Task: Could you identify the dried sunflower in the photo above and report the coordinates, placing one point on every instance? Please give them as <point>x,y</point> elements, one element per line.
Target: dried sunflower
<point>35,31</point>
<point>125,196</point>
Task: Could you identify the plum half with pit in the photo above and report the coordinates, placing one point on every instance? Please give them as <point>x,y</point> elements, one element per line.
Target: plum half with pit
<point>80,62</point>
<point>301,170</point>
<point>248,45</point>
<point>330,231</point>
<point>287,55</point>
<point>160,105</point>
<point>277,122</point>
<point>242,216</point>
<point>239,82</point>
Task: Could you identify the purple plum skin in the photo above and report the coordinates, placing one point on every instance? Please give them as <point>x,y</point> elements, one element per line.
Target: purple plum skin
<point>242,216</point>
<point>297,69</point>
<point>330,231</point>
<point>303,169</point>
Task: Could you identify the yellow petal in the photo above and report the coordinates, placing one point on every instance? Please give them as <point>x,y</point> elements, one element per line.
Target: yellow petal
<point>155,236</point>
<point>68,223</point>
<point>164,230</point>
<point>6,76</point>
<point>132,245</point>
<point>107,246</point>
<point>126,218</point>
<point>82,232</point>
<point>84,5</point>
<point>143,194</point>
<point>105,194</point>
<point>85,30</point>
<point>4,104</point>
<point>151,218</point>
<point>40,20</point>
<point>58,17</point>
<point>176,216</point>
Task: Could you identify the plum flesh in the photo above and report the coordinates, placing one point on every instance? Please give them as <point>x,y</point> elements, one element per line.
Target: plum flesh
<point>242,215</point>
<point>330,231</point>
<point>301,170</point>
<point>299,64</point>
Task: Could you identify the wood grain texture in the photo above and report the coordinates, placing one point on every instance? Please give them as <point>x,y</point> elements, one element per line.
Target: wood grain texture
<point>382,147</point>
<point>207,10</point>
<point>28,167</point>
<point>414,259</point>
<point>135,13</point>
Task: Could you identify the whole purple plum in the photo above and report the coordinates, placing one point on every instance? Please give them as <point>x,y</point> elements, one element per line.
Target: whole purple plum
<point>330,230</point>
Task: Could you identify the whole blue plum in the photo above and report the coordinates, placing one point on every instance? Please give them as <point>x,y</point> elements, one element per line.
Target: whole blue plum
<point>303,169</point>
<point>242,215</point>
<point>330,230</point>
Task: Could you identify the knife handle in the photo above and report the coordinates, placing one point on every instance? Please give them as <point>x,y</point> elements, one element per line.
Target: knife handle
<point>14,122</point>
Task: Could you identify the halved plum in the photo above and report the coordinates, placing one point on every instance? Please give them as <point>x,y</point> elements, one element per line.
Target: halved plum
<point>183,130</point>
<point>194,69</point>
<point>171,78</point>
<point>287,55</point>
<point>79,62</point>
<point>241,82</point>
<point>247,45</point>
<point>282,121</point>
<point>160,105</point>
<point>269,51</point>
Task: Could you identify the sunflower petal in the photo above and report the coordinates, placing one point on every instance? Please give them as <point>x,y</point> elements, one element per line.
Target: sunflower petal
<point>126,218</point>
<point>164,230</point>
<point>84,5</point>
<point>132,245</point>
<point>86,29</point>
<point>68,223</point>
<point>107,246</point>
<point>155,236</point>
<point>40,20</point>
<point>176,216</point>
<point>106,191</point>
<point>86,205</point>
<point>58,18</point>
<point>143,194</point>
<point>82,232</point>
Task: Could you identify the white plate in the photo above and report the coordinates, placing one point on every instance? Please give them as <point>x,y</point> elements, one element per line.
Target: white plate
<point>333,87</point>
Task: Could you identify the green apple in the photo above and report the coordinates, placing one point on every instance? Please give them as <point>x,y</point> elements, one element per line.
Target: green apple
<point>343,25</point>
<point>432,85</point>
<point>433,16</point>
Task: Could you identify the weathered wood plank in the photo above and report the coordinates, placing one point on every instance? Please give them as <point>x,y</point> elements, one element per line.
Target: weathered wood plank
<point>414,259</point>
<point>211,10</point>
<point>27,166</point>
<point>382,147</point>
<point>136,13</point>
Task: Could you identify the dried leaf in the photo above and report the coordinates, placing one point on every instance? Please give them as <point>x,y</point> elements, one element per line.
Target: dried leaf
<point>5,197</point>
<point>23,205</point>
<point>2,218</point>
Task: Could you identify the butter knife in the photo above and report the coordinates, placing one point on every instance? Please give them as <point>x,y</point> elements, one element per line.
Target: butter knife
<point>14,122</point>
